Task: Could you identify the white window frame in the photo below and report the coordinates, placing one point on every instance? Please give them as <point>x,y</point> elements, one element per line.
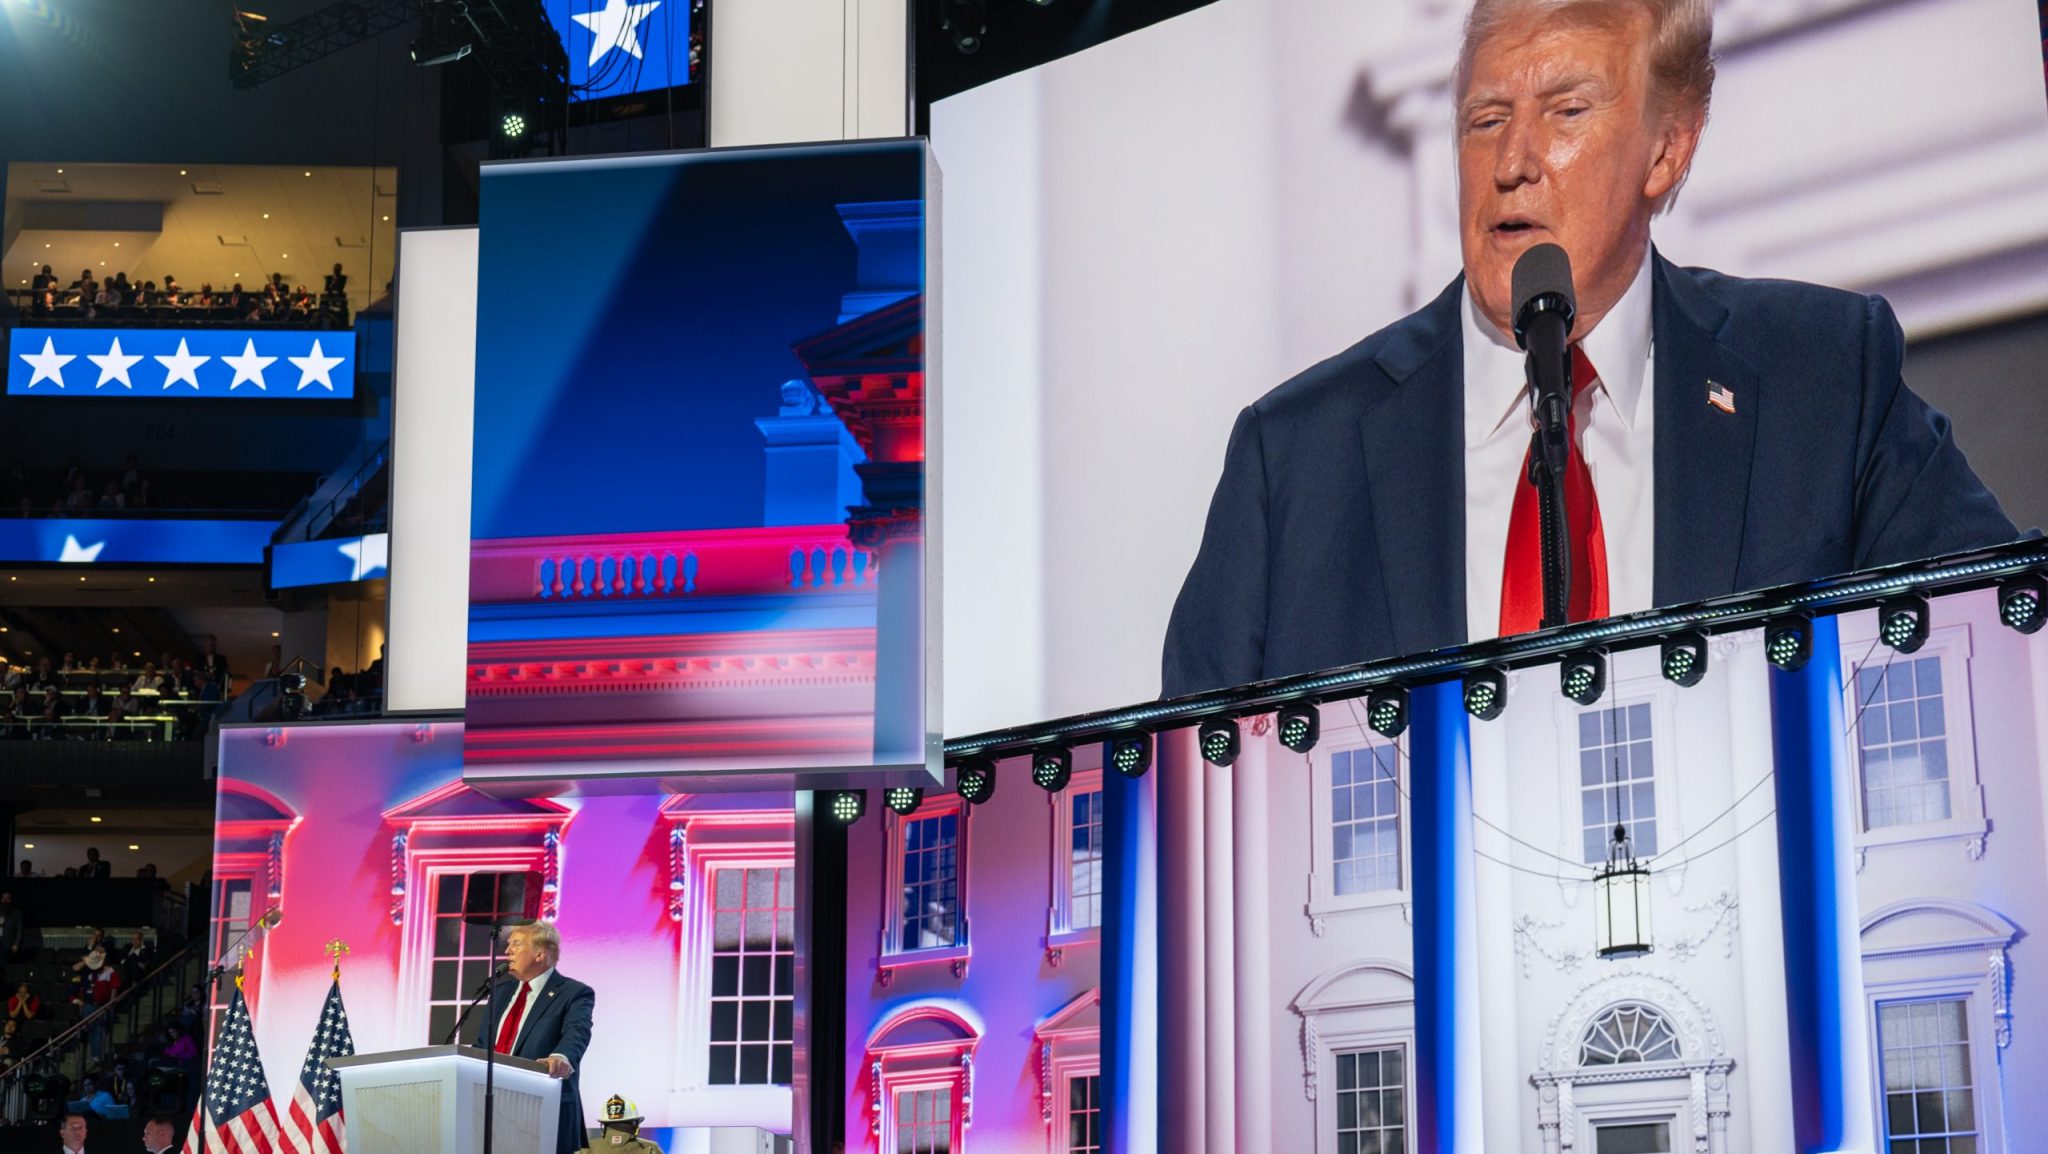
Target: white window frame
<point>1066,1048</point>
<point>1323,898</point>
<point>1918,950</point>
<point>941,1064</point>
<point>1358,1005</point>
<point>1953,645</point>
<point>1060,932</point>
<point>1661,696</point>
<point>948,1084</point>
<point>1060,1135</point>
<point>892,956</point>
<point>706,878</point>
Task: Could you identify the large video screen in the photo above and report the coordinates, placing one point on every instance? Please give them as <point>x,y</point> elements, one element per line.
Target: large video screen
<point>1210,282</point>
<point>697,536</point>
<point>677,910</point>
<point>1706,904</point>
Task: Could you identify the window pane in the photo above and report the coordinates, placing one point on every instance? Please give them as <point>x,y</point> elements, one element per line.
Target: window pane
<point>752,960</point>
<point>1621,743</point>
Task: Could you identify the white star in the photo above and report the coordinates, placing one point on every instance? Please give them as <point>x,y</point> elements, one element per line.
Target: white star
<point>73,551</point>
<point>248,367</point>
<point>114,365</point>
<point>367,556</point>
<point>617,26</point>
<point>47,364</point>
<point>182,366</point>
<point>314,366</point>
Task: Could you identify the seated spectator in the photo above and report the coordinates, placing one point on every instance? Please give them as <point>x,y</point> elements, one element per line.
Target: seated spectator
<point>71,664</point>
<point>188,677</point>
<point>27,870</point>
<point>141,498</point>
<point>206,688</point>
<point>78,502</point>
<point>111,498</point>
<point>91,706</point>
<point>23,1006</point>
<point>144,297</point>
<point>151,681</point>
<point>53,707</point>
<point>204,298</point>
<point>96,868</point>
<point>95,954</point>
<point>126,706</point>
<point>7,1037</point>
<point>138,960</point>
<point>95,1101</point>
<point>45,676</point>
<point>108,297</point>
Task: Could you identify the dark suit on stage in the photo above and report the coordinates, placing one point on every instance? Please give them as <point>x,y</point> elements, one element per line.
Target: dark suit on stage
<point>558,1023</point>
<point>1337,532</point>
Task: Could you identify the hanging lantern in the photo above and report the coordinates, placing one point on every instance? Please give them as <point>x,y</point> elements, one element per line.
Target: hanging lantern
<point>1621,907</point>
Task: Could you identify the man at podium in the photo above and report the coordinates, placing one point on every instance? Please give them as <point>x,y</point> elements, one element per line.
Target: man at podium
<point>538,1014</point>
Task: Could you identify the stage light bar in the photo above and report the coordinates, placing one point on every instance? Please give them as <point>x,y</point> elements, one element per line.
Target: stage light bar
<point>1386,711</point>
<point>2020,601</point>
<point>1052,768</point>
<point>847,805</point>
<point>1683,658</point>
<point>1788,642</point>
<point>1301,726</point>
<point>1130,753</point>
<point>1582,676</point>
<point>903,800</point>
<point>1902,622</point>
<point>1486,692</point>
<point>975,781</point>
<point>1219,741</point>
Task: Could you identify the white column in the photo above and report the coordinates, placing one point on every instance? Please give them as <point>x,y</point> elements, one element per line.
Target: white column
<point>1183,1025</point>
<point>1219,1099</point>
<point>1254,977</point>
<point>1499,1055</point>
<point>1764,1061</point>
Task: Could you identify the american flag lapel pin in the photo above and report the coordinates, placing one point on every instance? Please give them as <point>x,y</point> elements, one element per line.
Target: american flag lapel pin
<point>1720,396</point>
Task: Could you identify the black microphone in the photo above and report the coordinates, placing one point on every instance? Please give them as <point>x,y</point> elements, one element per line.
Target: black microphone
<point>483,990</point>
<point>500,972</point>
<point>1544,308</point>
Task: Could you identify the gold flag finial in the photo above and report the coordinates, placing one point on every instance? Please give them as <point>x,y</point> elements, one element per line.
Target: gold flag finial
<point>335,949</point>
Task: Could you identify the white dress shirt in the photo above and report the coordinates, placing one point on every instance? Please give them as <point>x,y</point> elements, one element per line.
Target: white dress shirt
<point>1616,434</point>
<point>533,996</point>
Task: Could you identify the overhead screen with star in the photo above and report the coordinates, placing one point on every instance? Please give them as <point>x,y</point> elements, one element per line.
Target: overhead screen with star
<point>622,47</point>
<point>275,363</point>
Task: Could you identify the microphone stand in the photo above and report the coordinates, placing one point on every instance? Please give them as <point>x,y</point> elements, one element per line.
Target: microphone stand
<point>490,1043</point>
<point>219,968</point>
<point>1549,457</point>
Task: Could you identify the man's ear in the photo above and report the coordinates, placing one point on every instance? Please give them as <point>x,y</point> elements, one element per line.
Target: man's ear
<point>1677,140</point>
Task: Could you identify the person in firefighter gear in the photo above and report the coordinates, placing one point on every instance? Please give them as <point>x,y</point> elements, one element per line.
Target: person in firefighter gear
<point>621,1132</point>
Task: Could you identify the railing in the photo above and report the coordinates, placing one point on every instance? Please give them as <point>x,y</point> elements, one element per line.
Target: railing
<point>66,310</point>
<point>67,1053</point>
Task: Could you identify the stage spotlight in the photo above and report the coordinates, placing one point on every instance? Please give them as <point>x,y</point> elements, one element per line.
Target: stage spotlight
<point>513,125</point>
<point>1788,642</point>
<point>1131,753</point>
<point>965,22</point>
<point>1684,658</point>
<point>846,805</point>
<point>975,781</point>
<point>1386,711</point>
<point>1582,676</point>
<point>1219,741</point>
<point>1486,692</point>
<point>2020,600</point>
<point>1902,622</point>
<point>1051,768</point>
<point>903,800</point>
<point>442,40</point>
<point>1300,727</point>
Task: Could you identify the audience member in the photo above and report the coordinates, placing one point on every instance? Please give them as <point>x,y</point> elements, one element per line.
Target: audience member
<point>27,870</point>
<point>151,681</point>
<point>159,1134</point>
<point>72,1133</point>
<point>23,1006</point>
<point>213,663</point>
<point>91,706</point>
<point>95,868</point>
<point>274,666</point>
<point>10,927</point>
<point>138,960</point>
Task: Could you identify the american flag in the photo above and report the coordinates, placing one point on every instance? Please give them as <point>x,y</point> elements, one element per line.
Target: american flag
<point>236,1115</point>
<point>314,1124</point>
<point>1721,396</point>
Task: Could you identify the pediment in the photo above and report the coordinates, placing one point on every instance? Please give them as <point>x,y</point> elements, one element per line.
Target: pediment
<point>926,1024</point>
<point>1935,925</point>
<point>457,801</point>
<point>1366,982</point>
<point>1083,1015</point>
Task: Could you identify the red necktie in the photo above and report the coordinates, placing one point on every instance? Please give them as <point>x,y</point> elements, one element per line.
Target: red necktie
<point>1521,583</point>
<point>508,1031</point>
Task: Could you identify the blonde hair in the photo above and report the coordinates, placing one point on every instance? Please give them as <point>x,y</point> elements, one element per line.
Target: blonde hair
<point>1681,43</point>
<point>542,935</point>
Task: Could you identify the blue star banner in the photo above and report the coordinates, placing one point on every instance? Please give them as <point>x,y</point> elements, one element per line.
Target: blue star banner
<point>335,561</point>
<point>620,47</point>
<point>302,364</point>
<point>107,541</point>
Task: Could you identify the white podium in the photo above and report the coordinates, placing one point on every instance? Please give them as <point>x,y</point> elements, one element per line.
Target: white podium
<point>431,1101</point>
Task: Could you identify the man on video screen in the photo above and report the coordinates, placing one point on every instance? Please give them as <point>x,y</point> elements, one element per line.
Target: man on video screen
<point>1726,434</point>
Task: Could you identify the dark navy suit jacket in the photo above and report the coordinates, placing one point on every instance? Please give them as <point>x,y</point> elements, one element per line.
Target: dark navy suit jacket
<point>558,1023</point>
<point>1337,533</point>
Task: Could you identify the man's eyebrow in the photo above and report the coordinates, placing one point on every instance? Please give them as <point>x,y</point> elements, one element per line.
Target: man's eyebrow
<point>1561,85</point>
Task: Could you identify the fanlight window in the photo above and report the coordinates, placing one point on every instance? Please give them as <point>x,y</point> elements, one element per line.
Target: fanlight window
<point>1631,1032</point>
